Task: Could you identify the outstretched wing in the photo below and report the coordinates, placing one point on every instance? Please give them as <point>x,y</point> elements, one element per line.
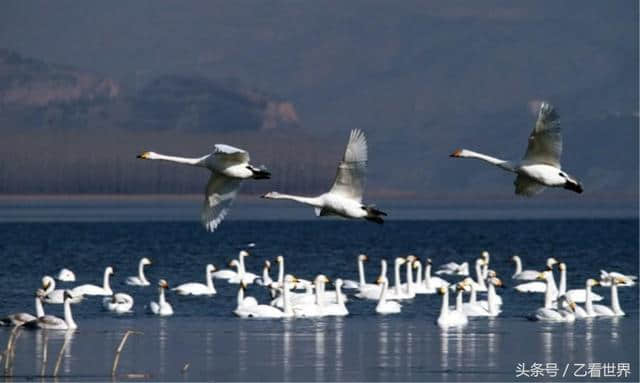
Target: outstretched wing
<point>545,141</point>
<point>350,177</point>
<point>218,197</point>
<point>227,155</point>
<point>527,187</point>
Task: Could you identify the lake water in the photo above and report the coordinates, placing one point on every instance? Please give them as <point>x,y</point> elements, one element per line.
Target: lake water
<point>204,334</point>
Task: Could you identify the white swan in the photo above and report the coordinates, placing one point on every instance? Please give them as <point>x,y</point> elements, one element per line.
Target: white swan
<point>372,291</point>
<point>53,295</point>
<point>537,286</point>
<point>161,307</point>
<point>304,308</point>
<point>385,306</point>
<point>140,280</point>
<point>265,280</point>
<point>267,311</point>
<point>345,197</point>
<point>66,275</point>
<point>350,284</point>
<point>229,166</point>
<point>540,166</point>
<point>623,280</point>
<point>298,284</point>
<point>588,311</point>
<point>432,283</point>
<point>549,311</point>
<point>485,265</point>
<point>89,289</point>
<point>339,308</point>
<point>447,317</point>
<point>195,288</point>
<point>575,295</point>
<point>118,303</point>
<point>479,283</point>
<point>452,268</point>
<point>490,307</point>
<point>244,304</point>
<point>54,323</point>
<point>408,288</point>
<point>18,319</point>
<point>242,275</point>
<point>615,309</point>
<point>398,292</point>
<point>523,275</point>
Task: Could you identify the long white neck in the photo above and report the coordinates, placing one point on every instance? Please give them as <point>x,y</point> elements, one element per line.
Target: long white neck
<point>551,286</point>
<point>68,318</point>
<point>210,286</point>
<point>485,271</point>
<point>318,293</point>
<point>396,278</point>
<point>409,279</point>
<point>286,304</point>
<point>313,201</point>
<point>339,298</point>
<point>383,293</point>
<point>266,279</point>
<point>563,282</point>
<point>141,276</point>
<point>281,272</point>
<point>39,308</point>
<point>491,299</point>
<point>427,276</point>
<point>518,265</point>
<point>459,300</point>
<point>473,296</point>
<point>161,300</point>
<point>105,281</point>
<point>506,165</point>
<point>615,303</point>
<point>180,160</point>
<point>240,296</point>
<point>588,303</point>
<point>479,277</point>
<point>548,294</point>
<point>241,269</point>
<point>383,268</point>
<point>51,286</point>
<point>444,310</point>
<point>419,272</point>
<point>361,272</point>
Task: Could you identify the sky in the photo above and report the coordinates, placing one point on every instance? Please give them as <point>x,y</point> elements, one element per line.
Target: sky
<point>420,77</point>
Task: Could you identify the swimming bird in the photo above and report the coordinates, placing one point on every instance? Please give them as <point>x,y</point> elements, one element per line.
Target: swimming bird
<point>140,280</point>
<point>244,304</point>
<point>162,307</point>
<point>54,323</point>
<point>615,309</point>
<point>523,275</point>
<point>345,197</point>
<point>576,295</point>
<point>195,288</point>
<point>431,283</point>
<point>372,291</point>
<point>89,289</point>
<point>265,280</point>
<point>18,319</point>
<point>588,311</point>
<point>447,317</point>
<point>268,311</point>
<point>623,280</point>
<point>538,286</point>
<point>452,268</point>
<point>540,166</point>
<point>229,166</point>
<point>53,295</point>
<point>350,284</point>
<point>550,312</point>
<point>118,303</point>
<point>385,306</point>
<point>339,308</point>
<point>66,275</point>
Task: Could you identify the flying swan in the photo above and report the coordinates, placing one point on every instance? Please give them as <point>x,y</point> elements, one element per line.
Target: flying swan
<point>345,197</point>
<point>229,166</point>
<point>540,166</point>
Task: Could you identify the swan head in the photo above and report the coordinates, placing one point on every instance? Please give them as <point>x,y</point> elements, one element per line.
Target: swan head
<point>271,195</point>
<point>109,270</point>
<point>290,279</point>
<point>67,295</point>
<point>416,264</point>
<point>338,283</point>
<point>145,261</point>
<point>279,259</point>
<point>571,304</point>
<point>458,153</point>
<point>515,258</point>
<point>267,264</point>
<point>400,261</point>
<point>163,284</point>
<point>40,293</point>
<point>243,253</point>
<point>411,258</point>
<point>497,282</point>
<point>543,275</point>
<point>592,282</point>
<point>234,263</point>
<point>148,156</point>
<point>381,280</point>
<point>428,261</point>
<point>47,282</point>
<point>562,266</point>
<point>362,258</point>
<point>550,262</point>
<point>485,256</point>
<point>210,268</point>
<point>480,262</point>
<point>243,285</point>
<point>442,290</point>
<point>321,278</point>
<point>461,286</point>
<point>492,274</point>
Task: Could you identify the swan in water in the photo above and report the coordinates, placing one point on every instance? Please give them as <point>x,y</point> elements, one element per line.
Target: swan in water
<point>338,308</point>
<point>267,311</point>
<point>161,307</point>
<point>229,166</point>
<point>53,295</point>
<point>431,283</point>
<point>298,284</point>
<point>523,275</point>
<point>140,280</point>
<point>623,280</point>
<point>89,289</point>
<point>537,286</point>
<point>615,309</point>
<point>265,280</point>
<point>479,282</point>
<point>66,275</point>
<point>447,317</point>
<point>550,312</point>
<point>588,311</point>
<point>309,306</point>
<point>54,323</point>
<point>384,306</point>
<point>242,275</point>
<point>244,304</point>
<point>118,303</point>
<point>195,288</point>
<point>485,264</point>
<point>18,319</point>
<point>490,307</point>
<point>350,284</point>
<point>398,292</point>
<point>452,268</point>
<point>575,295</point>
<point>372,291</point>
<point>540,166</point>
<point>345,197</point>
